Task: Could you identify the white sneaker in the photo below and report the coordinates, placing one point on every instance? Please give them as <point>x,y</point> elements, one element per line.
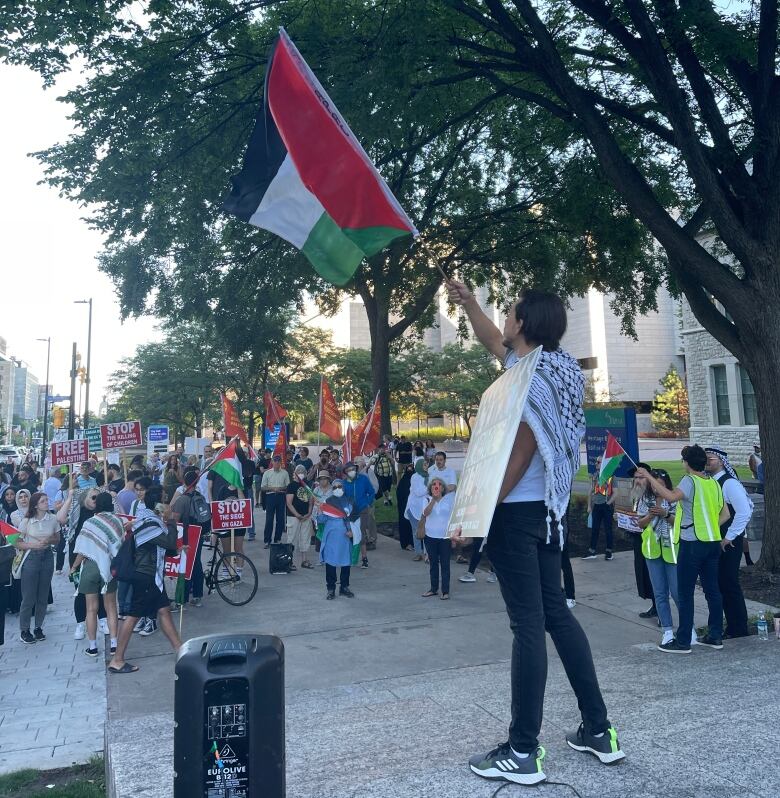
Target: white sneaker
<point>103,626</point>
<point>668,637</point>
<point>571,603</point>
<point>139,624</point>
<point>467,577</point>
<point>694,638</point>
<point>492,578</point>
<point>79,633</point>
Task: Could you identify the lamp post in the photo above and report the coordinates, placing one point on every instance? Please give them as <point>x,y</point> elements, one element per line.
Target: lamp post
<point>45,400</point>
<point>85,417</point>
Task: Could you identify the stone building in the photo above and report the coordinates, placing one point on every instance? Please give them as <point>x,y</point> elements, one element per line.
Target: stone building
<point>720,395</point>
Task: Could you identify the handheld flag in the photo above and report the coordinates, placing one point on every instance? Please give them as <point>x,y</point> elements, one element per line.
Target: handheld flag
<point>330,420</point>
<point>611,459</point>
<point>331,511</point>
<point>346,447</point>
<point>280,447</point>
<point>274,412</point>
<point>367,433</point>
<point>232,421</point>
<point>10,533</point>
<point>306,178</point>
<point>228,466</point>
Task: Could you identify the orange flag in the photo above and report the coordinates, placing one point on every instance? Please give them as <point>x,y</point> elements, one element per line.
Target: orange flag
<point>281,444</point>
<point>330,421</point>
<point>274,412</point>
<point>233,426</point>
<point>346,447</point>
<point>367,433</point>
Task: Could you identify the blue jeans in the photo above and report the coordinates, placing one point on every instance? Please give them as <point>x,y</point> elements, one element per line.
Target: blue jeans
<point>700,559</point>
<point>124,597</point>
<point>663,576</point>
<point>529,574</point>
<point>419,545</point>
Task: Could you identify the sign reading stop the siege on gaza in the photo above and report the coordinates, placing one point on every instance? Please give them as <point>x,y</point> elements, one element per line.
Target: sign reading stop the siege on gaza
<point>120,435</point>
<point>67,452</point>
<point>231,514</point>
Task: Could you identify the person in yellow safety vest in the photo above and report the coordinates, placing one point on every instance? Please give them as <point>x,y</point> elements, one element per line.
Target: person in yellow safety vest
<point>699,514</point>
<point>660,550</point>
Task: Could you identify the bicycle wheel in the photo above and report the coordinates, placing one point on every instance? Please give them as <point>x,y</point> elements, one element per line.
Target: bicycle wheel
<point>235,578</point>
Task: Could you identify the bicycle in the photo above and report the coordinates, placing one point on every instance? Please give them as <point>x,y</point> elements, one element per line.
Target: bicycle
<point>232,575</point>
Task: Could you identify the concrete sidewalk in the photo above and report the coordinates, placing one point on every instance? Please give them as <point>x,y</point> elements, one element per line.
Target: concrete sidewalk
<point>388,694</point>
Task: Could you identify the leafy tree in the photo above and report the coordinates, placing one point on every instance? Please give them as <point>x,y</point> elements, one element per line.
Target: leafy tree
<point>459,376</point>
<point>695,86</point>
<point>670,408</point>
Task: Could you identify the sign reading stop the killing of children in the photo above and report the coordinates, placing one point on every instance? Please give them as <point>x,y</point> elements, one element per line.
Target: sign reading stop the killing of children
<point>231,514</point>
<point>67,452</point>
<point>120,435</point>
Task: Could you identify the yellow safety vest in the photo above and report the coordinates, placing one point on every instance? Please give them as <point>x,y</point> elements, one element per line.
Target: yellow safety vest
<point>707,504</point>
<point>653,549</point>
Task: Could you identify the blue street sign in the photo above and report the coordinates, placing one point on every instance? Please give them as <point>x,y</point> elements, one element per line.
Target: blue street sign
<point>621,422</point>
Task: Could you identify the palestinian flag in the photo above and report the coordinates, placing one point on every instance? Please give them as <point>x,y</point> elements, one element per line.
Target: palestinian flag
<point>302,482</point>
<point>331,511</point>
<point>306,178</point>
<point>228,466</point>
<point>611,459</point>
<point>10,533</point>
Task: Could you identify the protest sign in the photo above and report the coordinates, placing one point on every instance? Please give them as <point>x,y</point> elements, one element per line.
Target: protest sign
<point>491,443</point>
<point>231,514</point>
<point>181,564</point>
<point>121,435</point>
<point>67,452</point>
<point>628,521</point>
<point>92,434</point>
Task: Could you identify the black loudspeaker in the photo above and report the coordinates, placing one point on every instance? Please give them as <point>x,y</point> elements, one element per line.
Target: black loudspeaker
<point>280,559</point>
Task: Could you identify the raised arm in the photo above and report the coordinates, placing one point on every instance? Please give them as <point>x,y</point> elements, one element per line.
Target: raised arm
<point>488,334</point>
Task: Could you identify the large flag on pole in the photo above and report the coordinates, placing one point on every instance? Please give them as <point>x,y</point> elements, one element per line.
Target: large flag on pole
<point>274,412</point>
<point>610,460</point>
<point>330,420</point>
<point>367,433</point>
<point>228,466</point>
<point>306,178</point>
<point>346,447</point>
<point>280,447</point>
<point>232,421</point>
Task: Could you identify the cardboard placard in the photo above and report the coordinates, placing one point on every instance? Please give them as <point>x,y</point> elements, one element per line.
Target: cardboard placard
<point>121,434</point>
<point>68,452</point>
<point>179,564</point>
<point>231,514</point>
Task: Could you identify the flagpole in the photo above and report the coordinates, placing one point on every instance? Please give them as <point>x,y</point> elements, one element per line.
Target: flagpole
<point>630,460</point>
<point>424,246</point>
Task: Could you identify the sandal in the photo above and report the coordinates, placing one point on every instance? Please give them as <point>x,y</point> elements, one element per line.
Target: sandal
<point>461,560</point>
<point>417,558</point>
<point>430,593</point>
<point>445,596</point>
<point>306,564</point>
<point>126,668</point>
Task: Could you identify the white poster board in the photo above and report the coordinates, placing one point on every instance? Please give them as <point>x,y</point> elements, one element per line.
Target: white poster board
<point>491,443</point>
<point>196,445</point>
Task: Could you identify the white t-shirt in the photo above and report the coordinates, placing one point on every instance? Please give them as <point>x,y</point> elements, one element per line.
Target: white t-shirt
<point>446,473</point>
<point>436,522</point>
<point>530,488</point>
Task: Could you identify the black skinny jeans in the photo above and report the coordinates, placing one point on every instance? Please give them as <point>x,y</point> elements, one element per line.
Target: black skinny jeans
<point>439,550</point>
<point>529,573</point>
<point>330,576</point>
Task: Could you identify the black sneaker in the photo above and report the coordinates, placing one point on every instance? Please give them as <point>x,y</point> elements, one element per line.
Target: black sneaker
<point>364,564</point>
<point>331,595</point>
<point>606,747</point>
<point>345,591</point>
<point>501,764</point>
<point>651,613</point>
<point>673,647</point>
<point>591,555</point>
<point>711,642</point>
<point>26,637</point>
<point>91,652</point>
<point>608,555</point>
<point>38,634</point>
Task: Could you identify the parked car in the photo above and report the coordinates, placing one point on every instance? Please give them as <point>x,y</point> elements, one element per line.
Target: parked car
<point>10,454</point>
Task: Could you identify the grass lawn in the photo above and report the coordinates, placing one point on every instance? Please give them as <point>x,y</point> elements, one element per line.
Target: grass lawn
<point>80,781</point>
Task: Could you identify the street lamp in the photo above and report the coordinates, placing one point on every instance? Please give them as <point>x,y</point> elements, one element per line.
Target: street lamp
<point>85,417</point>
<point>45,400</point>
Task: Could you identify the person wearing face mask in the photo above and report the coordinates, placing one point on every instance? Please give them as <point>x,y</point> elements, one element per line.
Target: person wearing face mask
<point>436,515</point>
<point>322,491</point>
<point>299,508</point>
<point>360,494</point>
<point>336,544</point>
<point>367,519</point>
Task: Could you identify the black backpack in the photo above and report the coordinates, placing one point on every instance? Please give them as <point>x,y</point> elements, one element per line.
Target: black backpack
<point>200,511</point>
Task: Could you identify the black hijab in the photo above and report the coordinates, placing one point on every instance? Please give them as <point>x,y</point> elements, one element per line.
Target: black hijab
<point>5,506</point>
<point>402,491</point>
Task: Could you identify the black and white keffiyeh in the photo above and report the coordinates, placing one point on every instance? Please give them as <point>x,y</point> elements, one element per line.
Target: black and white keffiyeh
<point>555,415</point>
<point>724,458</point>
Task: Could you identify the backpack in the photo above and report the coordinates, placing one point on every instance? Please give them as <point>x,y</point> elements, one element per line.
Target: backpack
<point>123,565</point>
<point>200,511</point>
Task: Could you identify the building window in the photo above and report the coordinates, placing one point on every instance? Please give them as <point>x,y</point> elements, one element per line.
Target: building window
<point>748,397</point>
<point>720,383</point>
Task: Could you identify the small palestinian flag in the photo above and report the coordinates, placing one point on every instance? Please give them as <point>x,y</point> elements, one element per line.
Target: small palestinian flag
<point>302,482</point>
<point>611,459</point>
<point>332,512</point>
<point>10,533</point>
<point>306,178</point>
<point>228,466</point>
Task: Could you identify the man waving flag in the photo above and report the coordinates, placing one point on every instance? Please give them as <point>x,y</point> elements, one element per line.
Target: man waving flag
<point>306,178</point>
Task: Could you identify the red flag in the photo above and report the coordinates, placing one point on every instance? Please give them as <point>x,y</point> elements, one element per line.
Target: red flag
<point>233,426</point>
<point>274,412</point>
<point>367,432</point>
<point>331,511</point>
<point>346,447</point>
<point>281,444</point>
<point>330,421</point>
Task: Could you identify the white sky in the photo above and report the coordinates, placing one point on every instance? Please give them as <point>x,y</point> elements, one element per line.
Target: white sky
<point>47,253</point>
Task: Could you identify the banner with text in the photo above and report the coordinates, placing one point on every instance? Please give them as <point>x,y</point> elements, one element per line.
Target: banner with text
<point>231,514</point>
<point>68,452</point>
<point>491,444</point>
<point>178,564</point>
<point>121,435</point>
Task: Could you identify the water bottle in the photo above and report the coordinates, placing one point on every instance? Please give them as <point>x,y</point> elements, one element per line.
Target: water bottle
<point>763,633</point>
